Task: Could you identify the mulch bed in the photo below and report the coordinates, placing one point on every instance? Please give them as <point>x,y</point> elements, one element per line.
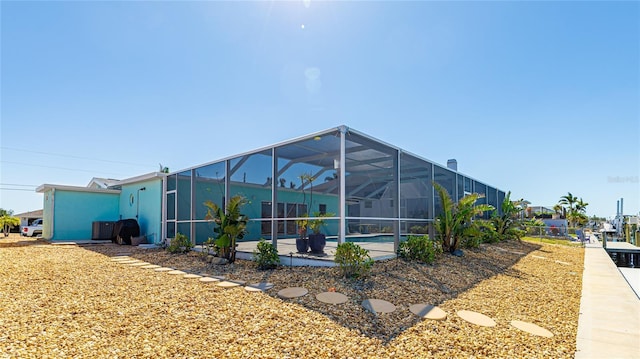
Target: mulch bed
<point>79,288</point>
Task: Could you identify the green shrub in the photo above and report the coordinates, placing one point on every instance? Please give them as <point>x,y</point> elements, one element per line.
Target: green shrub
<point>420,248</point>
<point>353,260</point>
<point>266,255</point>
<point>180,244</point>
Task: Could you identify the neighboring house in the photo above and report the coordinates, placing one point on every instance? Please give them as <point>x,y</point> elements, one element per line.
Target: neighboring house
<point>104,183</point>
<point>539,210</point>
<point>69,211</point>
<point>27,217</point>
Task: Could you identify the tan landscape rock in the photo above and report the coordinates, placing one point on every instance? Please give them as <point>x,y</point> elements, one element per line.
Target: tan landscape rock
<point>66,301</point>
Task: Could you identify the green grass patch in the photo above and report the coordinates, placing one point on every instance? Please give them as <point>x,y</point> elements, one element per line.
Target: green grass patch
<point>562,241</point>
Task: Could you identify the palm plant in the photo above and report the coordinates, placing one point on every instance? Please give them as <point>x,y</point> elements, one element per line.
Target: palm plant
<point>575,209</point>
<point>506,224</point>
<point>455,218</point>
<point>568,202</point>
<point>7,221</point>
<point>558,208</point>
<point>581,206</point>
<point>231,225</point>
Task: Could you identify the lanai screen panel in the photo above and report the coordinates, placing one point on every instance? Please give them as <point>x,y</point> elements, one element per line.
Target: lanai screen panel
<point>447,179</point>
<point>209,185</point>
<point>250,176</point>
<point>416,189</point>
<point>307,181</point>
<point>183,195</point>
<point>370,171</point>
<point>501,196</point>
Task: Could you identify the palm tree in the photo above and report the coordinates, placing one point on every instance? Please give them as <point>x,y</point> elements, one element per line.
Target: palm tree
<point>558,209</point>
<point>7,221</point>
<point>568,204</point>
<point>581,206</point>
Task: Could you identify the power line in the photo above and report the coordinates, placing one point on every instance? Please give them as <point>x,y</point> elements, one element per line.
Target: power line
<point>19,185</point>
<point>73,156</point>
<point>61,168</point>
<point>17,189</point>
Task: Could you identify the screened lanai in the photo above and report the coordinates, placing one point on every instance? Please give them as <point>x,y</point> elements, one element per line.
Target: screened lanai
<point>370,191</point>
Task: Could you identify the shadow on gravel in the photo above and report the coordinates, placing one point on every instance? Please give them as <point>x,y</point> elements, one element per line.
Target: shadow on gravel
<point>400,282</point>
<point>17,242</point>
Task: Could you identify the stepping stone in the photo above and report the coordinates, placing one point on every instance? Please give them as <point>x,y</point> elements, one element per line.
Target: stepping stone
<point>476,318</point>
<point>163,269</point>
<point>518,253</point>
<point>228,284</point>
<point>426,311</point>
<point>563,263</point>
<point>292,292</point>
<point>120,258</point>
<point>378,306</point>
<point>532,328</point>
<point>191,276</point>
<point>253,287</point>
<point>332,297</point>
<point>139,264</point>
<point>150,266</point>
<point>539,257</point>
<point>176,272</point>
<point>209,279</point>
<point>130,261</point>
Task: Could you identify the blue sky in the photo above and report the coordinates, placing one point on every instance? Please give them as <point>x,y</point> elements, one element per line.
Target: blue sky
<point>540,98</point>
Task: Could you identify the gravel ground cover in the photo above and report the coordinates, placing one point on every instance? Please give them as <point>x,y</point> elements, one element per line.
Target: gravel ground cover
<point>71,301</point>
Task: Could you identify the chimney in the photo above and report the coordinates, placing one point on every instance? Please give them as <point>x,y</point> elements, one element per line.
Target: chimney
<point>452,164</point>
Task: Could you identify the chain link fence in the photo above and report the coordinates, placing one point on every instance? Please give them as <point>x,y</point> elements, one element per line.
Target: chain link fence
<point>559,232</point>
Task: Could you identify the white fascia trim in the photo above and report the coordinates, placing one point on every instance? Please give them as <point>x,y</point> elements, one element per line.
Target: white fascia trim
<point>141,178</point>
<point>48,187</point>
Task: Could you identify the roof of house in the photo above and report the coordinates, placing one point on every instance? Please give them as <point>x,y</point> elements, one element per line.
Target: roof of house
<point>30,214</point>
<point>98,182</point>
<point>141,178</point>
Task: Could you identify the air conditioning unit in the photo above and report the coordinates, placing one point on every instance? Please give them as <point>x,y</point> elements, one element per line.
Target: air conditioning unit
<point>103,230</point>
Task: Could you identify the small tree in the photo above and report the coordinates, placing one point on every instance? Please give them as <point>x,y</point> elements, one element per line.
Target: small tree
<point>8,221</point>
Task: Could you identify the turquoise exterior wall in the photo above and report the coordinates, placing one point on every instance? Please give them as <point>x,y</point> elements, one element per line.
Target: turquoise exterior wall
<point>146,204</point>
<point>75,212</point>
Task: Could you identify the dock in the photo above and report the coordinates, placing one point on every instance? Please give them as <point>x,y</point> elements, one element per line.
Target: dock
<point>609,321</point>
